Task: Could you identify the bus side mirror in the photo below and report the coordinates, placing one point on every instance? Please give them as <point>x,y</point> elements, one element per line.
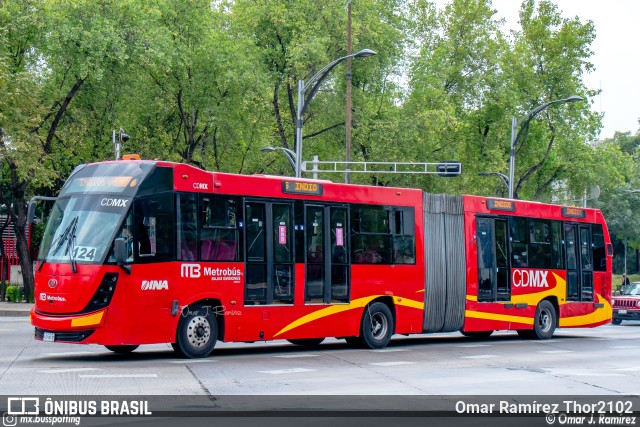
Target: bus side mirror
<point>31,211</point>
<point>120,253</point>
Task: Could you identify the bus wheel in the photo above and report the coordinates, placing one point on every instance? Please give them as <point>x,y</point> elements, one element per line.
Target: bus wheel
<point>616,321</point>
<point>545,321</point>
<point>197,332</point>
<point>307,342</point>
<point>477,334</point>
<point>121,349</point>
<point>377,326</point>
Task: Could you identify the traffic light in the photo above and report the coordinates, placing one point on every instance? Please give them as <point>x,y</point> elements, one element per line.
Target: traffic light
<point>122,137</point>
<point>449,169</point>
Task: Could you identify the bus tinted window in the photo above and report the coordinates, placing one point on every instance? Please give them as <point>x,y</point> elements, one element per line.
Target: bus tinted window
<point>154,227</point>
<point>187,229</point>
<point>382,235</point>
<point>218,232</point>
<point>536,243</point>
<point>599,254</point>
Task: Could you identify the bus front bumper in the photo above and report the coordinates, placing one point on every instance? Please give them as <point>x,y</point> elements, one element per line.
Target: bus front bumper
<point>67,328</point>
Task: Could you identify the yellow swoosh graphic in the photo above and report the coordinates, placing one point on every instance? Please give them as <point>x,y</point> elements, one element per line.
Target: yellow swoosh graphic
<point>599,315</point>
<point>335,309</point>
<point>500,317</point>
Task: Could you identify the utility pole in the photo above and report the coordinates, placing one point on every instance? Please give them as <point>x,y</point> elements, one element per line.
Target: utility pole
<point>347,177</point>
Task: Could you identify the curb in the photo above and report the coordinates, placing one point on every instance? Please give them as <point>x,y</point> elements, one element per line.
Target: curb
<point>14,313</point>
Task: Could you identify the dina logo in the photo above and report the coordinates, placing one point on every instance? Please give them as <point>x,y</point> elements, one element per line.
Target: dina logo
<point>154,285</point>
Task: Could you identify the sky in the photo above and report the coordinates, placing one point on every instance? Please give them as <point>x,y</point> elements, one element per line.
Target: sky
<point>615,56</point>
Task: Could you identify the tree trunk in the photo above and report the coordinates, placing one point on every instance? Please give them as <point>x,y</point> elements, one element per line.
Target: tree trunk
<point>24,254</point>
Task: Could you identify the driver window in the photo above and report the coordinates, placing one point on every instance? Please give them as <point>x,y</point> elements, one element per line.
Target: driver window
<point>154,228</point>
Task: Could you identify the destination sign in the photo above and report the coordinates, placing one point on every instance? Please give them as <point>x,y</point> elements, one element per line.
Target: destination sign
<point>573,213</point>
<point>106,181</point>
<point>501,205</point>
<point>295,187</point>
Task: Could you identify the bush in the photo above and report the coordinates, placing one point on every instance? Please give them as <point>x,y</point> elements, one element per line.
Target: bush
<point>14,294</point>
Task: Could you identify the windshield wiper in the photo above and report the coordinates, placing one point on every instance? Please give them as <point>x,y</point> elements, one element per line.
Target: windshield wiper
<point>59,242</point>
<point>71,245</point>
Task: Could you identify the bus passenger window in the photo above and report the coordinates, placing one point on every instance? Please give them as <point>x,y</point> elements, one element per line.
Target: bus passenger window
<point>218,232</point>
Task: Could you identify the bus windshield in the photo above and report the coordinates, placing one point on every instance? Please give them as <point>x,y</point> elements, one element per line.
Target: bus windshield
<point>81,228</point>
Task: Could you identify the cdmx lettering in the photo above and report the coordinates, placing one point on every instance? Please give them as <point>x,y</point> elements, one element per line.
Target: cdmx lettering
<point>530,278</point>
<point>119,203</point>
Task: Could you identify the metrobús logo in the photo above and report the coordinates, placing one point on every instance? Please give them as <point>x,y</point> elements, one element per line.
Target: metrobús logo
<point>154,285</point>
<point>527,281</point>
<point>195,271</point>
<point>232,273</point>
<point>45,297</point>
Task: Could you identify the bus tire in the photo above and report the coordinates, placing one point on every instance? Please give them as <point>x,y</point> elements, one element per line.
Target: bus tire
<point>307,342</point>
<point>377,326</point>
<point>476,334</point>
<point>197,332</point>
<point>121,349</point>
<point>545,321</point>
<point>616,321</point>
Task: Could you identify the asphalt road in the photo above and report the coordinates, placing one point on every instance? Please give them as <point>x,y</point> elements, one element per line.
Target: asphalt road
<point>601,361</point>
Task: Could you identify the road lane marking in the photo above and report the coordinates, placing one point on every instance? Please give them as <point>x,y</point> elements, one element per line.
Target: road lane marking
<point>474,345</point>
<point>293,356</point>
<point>624,346</point>
<point>66,370</point>
<point>287,371</point>
<point>119,376</point>
<point>6,330</point>
<point>631,369</point>
<point>554,351</point>
<point>194,361</point>
<point>387,350</point>
<point>480,356</point>
<point>392,363</point>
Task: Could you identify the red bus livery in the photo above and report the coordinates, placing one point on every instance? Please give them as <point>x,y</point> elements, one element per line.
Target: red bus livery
<point>141,252</point>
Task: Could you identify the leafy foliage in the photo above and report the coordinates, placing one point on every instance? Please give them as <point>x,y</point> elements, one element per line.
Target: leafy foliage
<point>211,83</point>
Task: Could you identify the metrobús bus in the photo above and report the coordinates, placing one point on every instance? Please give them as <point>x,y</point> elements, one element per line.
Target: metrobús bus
<point>142,252</point>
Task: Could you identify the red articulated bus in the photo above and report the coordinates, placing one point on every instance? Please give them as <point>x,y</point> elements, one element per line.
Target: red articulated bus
<point>141,252</point>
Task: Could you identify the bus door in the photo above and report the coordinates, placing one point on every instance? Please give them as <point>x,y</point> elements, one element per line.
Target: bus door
<point>579,262</point>
<point>269,253</point>
<point>326,254</point>
<point>493,260</point>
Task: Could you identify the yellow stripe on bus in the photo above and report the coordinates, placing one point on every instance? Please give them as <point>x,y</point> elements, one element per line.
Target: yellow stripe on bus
<point>498,317</point>
<point>335,309</point>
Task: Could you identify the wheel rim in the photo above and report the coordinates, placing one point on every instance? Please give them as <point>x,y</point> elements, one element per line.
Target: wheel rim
<point>545,320</point>
<point>198,331</point>
<point>379,326</point>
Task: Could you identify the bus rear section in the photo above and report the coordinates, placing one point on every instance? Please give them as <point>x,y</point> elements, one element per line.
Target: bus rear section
<point>496,264</point>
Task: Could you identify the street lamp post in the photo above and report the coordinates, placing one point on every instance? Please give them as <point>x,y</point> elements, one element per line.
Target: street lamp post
<point>303,102</point>
<point>504,178</point>
<point>523,121</point>
<point>291,156</point>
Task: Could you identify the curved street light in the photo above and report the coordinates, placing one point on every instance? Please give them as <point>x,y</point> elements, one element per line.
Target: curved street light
<point>312,85</point>
<point>523,121</point>
<point>291,156</point>
<point>504,178</point>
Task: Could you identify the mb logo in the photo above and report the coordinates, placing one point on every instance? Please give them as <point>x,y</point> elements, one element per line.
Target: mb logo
<point>190,270</point>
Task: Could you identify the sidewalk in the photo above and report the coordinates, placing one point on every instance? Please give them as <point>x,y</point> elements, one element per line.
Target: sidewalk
<point>10,309</point>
